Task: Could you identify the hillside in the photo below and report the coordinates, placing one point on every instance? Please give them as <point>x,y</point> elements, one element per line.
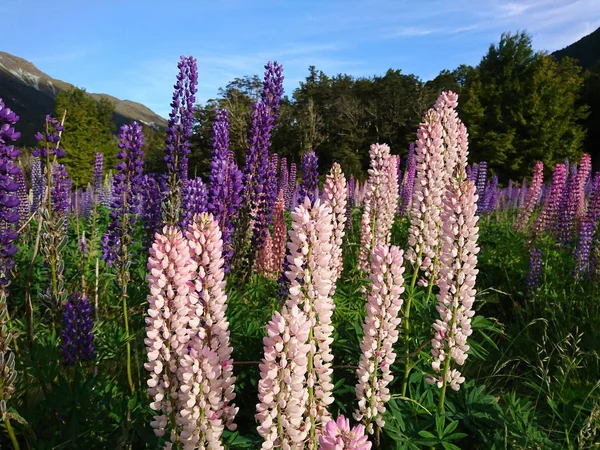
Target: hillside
<point>31,93</point>
<point>586,50</point>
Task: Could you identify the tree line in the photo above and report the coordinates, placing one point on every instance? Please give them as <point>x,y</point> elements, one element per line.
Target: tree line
<point>519,106</point>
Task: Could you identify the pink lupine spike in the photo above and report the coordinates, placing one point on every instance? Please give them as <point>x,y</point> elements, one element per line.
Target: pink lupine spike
<point>336,196</point>
<point>279,235</point>
<point>282,392</point>
<point>430,179</point>
<point>209,359</point>
<point>310,273</point>
<point>456,282</point>
<point>380,334</point>
<point>173,303</point>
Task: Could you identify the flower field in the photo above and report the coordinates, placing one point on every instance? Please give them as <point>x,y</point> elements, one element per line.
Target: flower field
<point>423,305</point>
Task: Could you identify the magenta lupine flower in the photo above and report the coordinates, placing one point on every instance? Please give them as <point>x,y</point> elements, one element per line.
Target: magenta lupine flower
<point>336,194</point>
<point>423,234</point>
<point>573,200</point>
<point>206,249</point>
<point>587,229</point>
<point>375,218</point>
<point>310,273</point>
<point>264,261</point>
<point>532,197</point>
<point>456,282</point>
<point>547,217</point>
<point>282,390</point>
<point>279,234</point>
<point>172,305</point>
<point>339,436</point>
<point>380,334</point>
<point>284,177</point>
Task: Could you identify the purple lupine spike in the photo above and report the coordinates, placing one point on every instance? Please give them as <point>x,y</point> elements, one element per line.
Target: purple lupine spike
<point>310,176</point>
<point>126,186</point>
<point>522,194</point>
<point>98,174</point>
<point>535,266</point>
<point>566,163</point>
<point>61,184</point>
<point>257,202</point>
<point>474,172</point>
<point>587,229</point>
<point>481,180</point>
<point>151,199</point>
<point>225,182</point>
<point>284,176</point>
<point>295,197</point>
<point>194,201</point>
<point>78,339</point>
<point>491,194</point>
<point>47,149</point>
<point>23,197</point>
<point>9,201</point>
<point>37,183</point>
<point>292,185</point>
<point>179,133</point>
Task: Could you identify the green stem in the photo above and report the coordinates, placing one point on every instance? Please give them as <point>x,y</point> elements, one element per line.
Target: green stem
<point>126,319</point>
<point>406,323</point>
<point>11,433</point>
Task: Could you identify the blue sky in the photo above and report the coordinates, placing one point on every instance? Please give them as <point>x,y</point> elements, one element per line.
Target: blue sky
<point>130,48</point>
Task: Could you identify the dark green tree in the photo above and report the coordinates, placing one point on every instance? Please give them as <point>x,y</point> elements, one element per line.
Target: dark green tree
<point>521,106</point>
<point>88,130</point>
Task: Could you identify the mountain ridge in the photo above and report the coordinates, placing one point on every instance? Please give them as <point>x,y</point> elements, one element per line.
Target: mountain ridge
<point>31,93</point>
<point>586,50</point>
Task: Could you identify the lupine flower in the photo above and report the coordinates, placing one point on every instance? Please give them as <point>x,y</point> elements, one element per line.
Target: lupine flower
<point>282,390</point>
<point>225,183</point>
<point>47,140</point>
<point>408,183</point>
<point>172,305</point>
<point>179,132</point>
<point>310,176</point>
<point>456,282</point>
<point>194,201</point>
<point>264,261</point>
<point>445,106</point>
<point>423,234</point>
<point>291,187</point>
<point>336,196</point>
<point>78,339</point>
<point>284,177</point>
<point>535,266</point>
<point>350,203</point>
<point>37,183</point>
<point>481,180</point>
<point>279,234</point>
<point>386,213</point>
<point>550,210</point>
<point>212,343</point>
<point>127,183</point>
<point>380,334</point>
<point>9,201</point>
<point>23,197</point>
<point>587,229</point>
<point>310,274</point>
<point>532,197</point>
<point>339,436</point>
<point>151,199</point>
<point>98,174</point>
<point>60,190</point>
<point>375,219</point>
<point>572,202</point>
<point>256,206</point>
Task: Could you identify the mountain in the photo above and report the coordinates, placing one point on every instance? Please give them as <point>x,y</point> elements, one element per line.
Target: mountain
<point>586,50</point>
<point>31,94</point>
